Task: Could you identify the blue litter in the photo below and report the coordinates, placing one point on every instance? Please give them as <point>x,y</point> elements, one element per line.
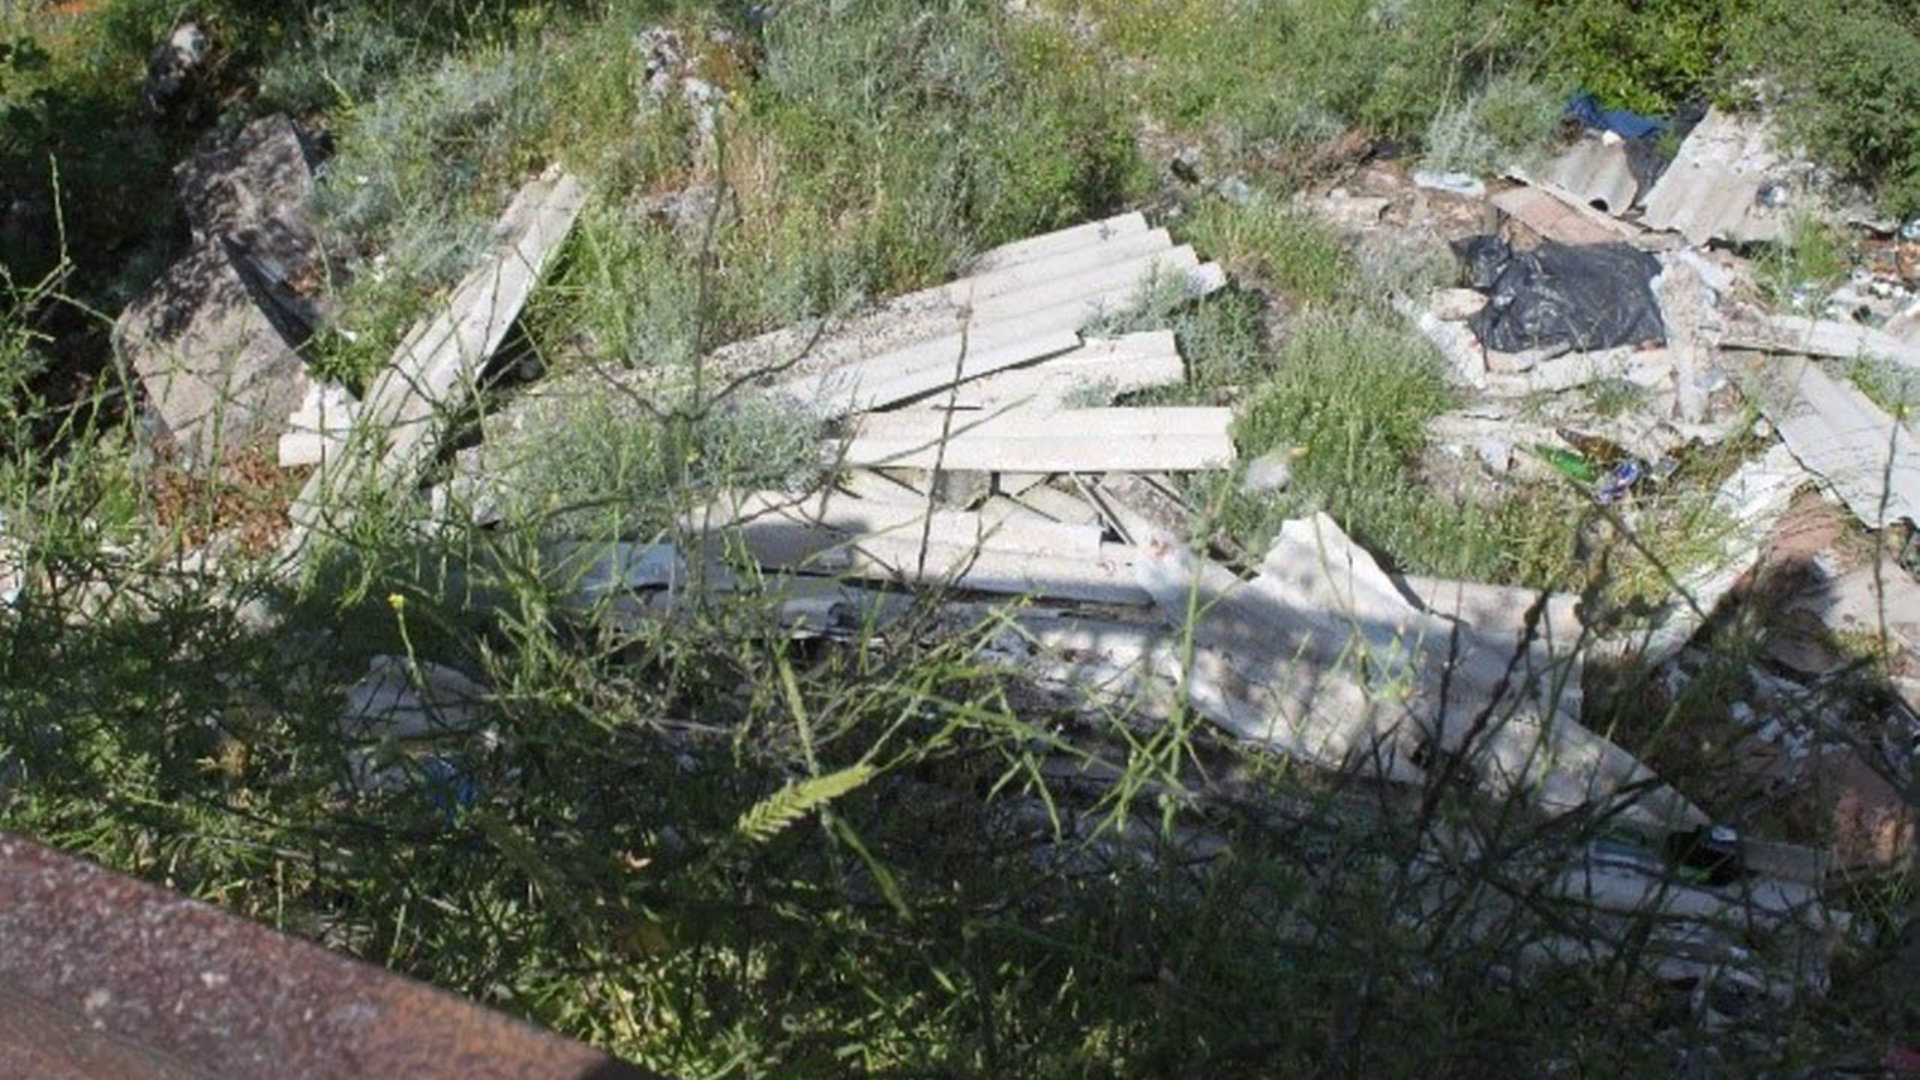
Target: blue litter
<point>448,786</point>
<point>1627,125</point>
<point>1614,486</point>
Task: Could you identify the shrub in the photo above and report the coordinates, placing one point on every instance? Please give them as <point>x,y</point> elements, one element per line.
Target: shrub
<point>1850,92</point>
<point>1509,122</point>
<point>1650,56</point>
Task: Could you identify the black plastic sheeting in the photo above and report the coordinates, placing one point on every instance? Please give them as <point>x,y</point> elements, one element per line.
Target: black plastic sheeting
<point>1587,297</point>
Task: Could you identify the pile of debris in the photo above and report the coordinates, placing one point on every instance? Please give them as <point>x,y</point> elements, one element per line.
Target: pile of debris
<point>978,452</point>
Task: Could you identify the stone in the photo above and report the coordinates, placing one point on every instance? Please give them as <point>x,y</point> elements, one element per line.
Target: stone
<point>1270,472</point>
<point>219,371</point>
<point>252,191</point>
<point>687,211</point>
<point>173,71</point>
<point>1353,211</point>
<point>1456,305</point>
<point>667,70</point>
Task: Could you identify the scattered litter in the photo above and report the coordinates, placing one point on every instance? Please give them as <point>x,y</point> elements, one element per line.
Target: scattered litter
<point>1451,183</point>
<point>1591,298</point>
<point>1567,463</point>
<point>1619,482</point>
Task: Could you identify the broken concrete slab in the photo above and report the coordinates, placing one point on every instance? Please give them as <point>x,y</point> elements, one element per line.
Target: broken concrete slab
<point>1686,309</point>
<point>1093,374</point>
<point>782,530</point>
<point>1060,505</point>
<point>1806,336</point>
<point>319,428</point>
<point>437,366</point>
<point>221,373</point>
<point>1456,305</point>
<point>1243,672</point>
<point>399,698</point>
<point>1497,695</point>
<point>1561,219</point>
<point>253,191</point>
<point>1323,657</point>
<point>1868,458</point>
<point>1598,173</point>
<point>1009,332</point>
<point>1642,367</point>
<point>1071,440</point>
<point>1457,344</point>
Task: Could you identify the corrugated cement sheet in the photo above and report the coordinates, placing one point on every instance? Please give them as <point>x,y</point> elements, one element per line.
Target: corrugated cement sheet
<point>1712,190</point>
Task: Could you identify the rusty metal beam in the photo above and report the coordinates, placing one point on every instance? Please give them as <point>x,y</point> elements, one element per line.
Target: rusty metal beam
<point>106,978</point>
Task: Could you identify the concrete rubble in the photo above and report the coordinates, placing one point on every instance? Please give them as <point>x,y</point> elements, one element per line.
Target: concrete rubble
<point>216,342</point>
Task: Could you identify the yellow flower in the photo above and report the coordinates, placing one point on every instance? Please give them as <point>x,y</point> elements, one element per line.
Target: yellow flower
<point>397,602</point>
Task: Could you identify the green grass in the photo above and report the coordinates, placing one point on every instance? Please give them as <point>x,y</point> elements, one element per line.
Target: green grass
<point>1353,395</point>
<point>1302,257</point>
<point>1507,123</point>
<point>1805,269</point>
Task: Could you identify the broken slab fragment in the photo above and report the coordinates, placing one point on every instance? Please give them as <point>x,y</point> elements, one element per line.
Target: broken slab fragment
<point>1560,219</point>
<point>437,366</point>
<point>1727,183</point>
<point>1868,458</point>
<point>253,191</point>
<point>1599,173</point>
<point>1069,440</point>
<point>1822,337</point>
<point>220,373</point>
<point>318,429</point>
<point>1324,657</point>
